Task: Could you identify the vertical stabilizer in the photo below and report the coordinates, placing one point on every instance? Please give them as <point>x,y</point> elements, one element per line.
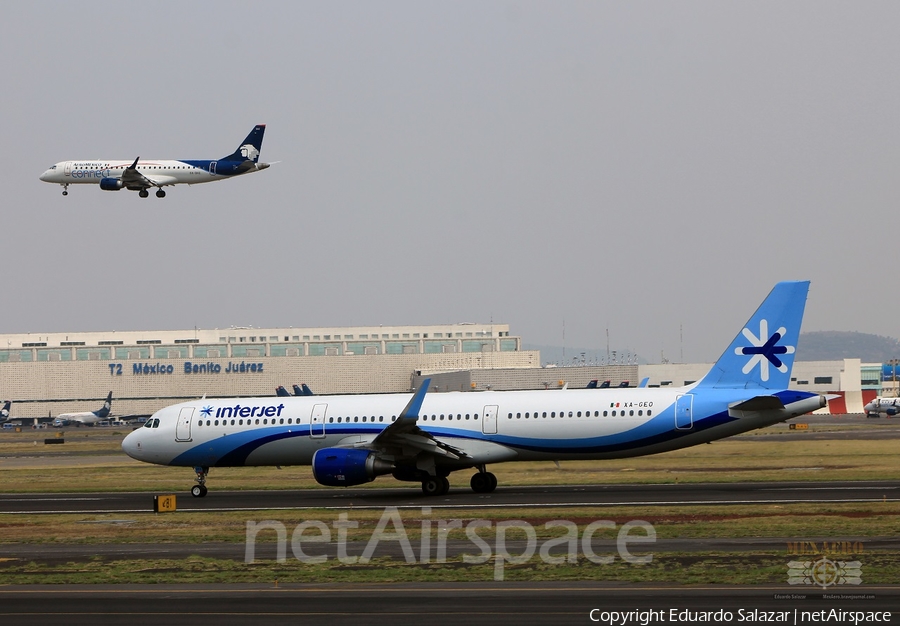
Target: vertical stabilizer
<point>250,148</point>
<point>762,354</point>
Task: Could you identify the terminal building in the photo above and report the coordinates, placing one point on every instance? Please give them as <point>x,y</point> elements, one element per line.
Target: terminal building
<point>53,373</point>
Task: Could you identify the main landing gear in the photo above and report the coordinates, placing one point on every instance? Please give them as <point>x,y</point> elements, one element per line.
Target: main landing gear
<point>199,490</point>
<point>160,193</point>
<point>143,193</point>
<point>483,482</point>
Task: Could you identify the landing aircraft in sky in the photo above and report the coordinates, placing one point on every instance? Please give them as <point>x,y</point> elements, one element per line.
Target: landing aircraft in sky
<point>113,175</point>
<point>88,418</point>
<point>350,439</point>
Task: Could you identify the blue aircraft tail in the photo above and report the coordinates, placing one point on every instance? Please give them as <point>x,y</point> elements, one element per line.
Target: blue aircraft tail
<point>762,354</point>
<point>281,392</point>
<point>103,412</point>
<point>250,148</point>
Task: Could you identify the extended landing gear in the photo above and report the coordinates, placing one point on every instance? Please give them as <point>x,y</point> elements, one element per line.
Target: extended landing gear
<point>66,189</point>
<point>483,482</point>
<point>199,490</point>
<point>143,193</point>
<point>160,193</point>
<point>436,486</point>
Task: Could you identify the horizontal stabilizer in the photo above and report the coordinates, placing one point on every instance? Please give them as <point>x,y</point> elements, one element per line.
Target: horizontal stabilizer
<point>759,403</point>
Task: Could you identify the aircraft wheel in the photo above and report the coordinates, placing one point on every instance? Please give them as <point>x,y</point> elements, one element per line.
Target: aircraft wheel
<point>445,485</point>
<point>433,485</point>
<point>483,482</point>
<point>160,193</point>
<point>198,491</point>
<point>65,193</point>
<point>143,193</point>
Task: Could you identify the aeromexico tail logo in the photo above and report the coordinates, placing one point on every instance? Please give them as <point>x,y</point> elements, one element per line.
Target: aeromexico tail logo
<point>249,151</point>
<point>764,351</point>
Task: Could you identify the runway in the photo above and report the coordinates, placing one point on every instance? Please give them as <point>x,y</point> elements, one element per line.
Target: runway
<point>460,497</point>
<point>432,603</point>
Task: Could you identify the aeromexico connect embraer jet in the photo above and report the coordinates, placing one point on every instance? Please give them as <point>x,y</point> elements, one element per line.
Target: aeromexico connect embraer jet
<point>349,440</point>
<point>113,175</point>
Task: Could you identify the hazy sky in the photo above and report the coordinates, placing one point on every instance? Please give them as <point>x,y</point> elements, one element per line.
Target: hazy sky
<point>632,166</point>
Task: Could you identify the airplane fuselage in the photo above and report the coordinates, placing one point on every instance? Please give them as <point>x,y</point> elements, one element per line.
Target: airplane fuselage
<point>490,426</point>
<point>140,176</point>
<point>165,172</point>
<point>87,418</point>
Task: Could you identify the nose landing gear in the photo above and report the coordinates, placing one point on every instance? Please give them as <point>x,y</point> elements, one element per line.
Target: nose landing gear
<point>199,490</point>
<point>66,189</point>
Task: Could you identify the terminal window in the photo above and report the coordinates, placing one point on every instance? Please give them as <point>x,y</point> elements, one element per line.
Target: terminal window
<point>822,380</point>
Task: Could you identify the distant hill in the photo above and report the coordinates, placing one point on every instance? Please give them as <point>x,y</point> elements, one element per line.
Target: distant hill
<point>830,345</point>
<point>825,345</point>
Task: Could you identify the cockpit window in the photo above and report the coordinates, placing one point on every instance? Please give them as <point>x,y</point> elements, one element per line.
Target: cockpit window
<point>148,424</point>
<point>156,423</point>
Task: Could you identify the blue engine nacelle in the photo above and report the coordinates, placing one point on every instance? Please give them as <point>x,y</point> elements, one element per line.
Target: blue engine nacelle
<point>111,184</point>
<point>345,467</point>
<point>891,410</point>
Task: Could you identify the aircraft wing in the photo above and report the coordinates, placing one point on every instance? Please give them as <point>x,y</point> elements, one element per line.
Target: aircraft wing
<point>134,180</point>
<point>403,438</point>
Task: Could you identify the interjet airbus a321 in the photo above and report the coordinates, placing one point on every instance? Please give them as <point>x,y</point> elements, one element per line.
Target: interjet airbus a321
<point>113,175</point>
<point>350,439</point>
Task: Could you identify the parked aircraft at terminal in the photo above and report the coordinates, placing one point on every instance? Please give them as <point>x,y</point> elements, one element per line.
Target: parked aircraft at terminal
<point>883,406</point>
<point>113,174</point>
<point>88,418</point>
<point>349,440</point>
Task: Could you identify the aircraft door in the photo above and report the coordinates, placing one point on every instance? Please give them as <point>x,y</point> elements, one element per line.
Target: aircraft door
<point>67,169</point>
<point>489,420</point>
<point>212,168</point>
<point>183,427</point>
<point>684,418</point>
<point>317,421</point>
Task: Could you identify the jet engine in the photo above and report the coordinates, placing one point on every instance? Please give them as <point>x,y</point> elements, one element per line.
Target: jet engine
<point>345,467</point>
<point>111,184</point>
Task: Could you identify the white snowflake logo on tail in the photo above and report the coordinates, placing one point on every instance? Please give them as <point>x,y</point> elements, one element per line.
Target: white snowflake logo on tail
<point>764,351</point>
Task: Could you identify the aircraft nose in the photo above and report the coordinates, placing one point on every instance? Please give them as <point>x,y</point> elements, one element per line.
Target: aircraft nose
<point>45,176</point>
<point>131,445</point>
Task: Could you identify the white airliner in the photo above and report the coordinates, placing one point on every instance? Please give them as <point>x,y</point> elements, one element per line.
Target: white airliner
<point>349,440</point>
<point>883,406</point>
<point>113,175</point>
<point>88,418</point>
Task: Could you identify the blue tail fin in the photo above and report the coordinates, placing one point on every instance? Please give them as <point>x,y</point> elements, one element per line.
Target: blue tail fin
<point>281,392</point>
<point>250,148</point>
<point>762,354</point>
<point>103,412</point>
